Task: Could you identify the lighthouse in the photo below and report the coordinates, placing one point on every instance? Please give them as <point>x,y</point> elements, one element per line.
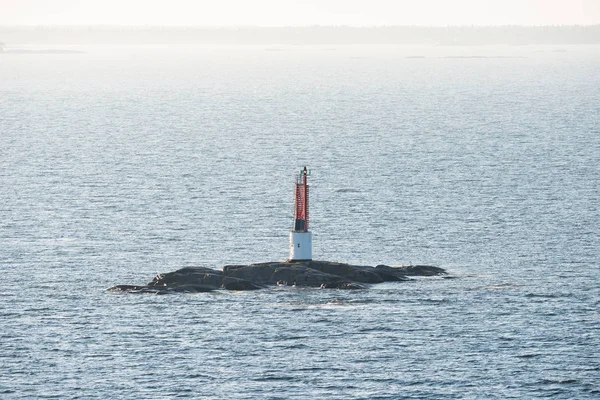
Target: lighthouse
<point>300,237</point>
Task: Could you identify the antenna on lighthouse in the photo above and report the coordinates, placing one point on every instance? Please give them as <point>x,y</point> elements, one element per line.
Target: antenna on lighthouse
<point>300,237</point>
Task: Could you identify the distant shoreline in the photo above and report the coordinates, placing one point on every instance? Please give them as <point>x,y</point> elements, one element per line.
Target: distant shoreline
<point>315,35</point>
<point>40,51</point>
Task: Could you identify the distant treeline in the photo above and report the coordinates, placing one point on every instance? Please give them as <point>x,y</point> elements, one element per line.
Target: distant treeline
<point>452,35</point>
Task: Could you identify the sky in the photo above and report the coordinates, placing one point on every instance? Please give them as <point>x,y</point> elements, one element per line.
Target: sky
<point>299,12</point>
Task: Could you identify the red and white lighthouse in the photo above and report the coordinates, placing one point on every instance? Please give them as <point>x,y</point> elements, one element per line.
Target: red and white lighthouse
<point>300,237</point>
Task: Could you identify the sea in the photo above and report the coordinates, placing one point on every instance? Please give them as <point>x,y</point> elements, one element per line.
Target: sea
<point>123,162</point>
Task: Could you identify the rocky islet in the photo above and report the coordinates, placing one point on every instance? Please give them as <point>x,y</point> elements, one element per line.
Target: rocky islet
<point>316,274</point>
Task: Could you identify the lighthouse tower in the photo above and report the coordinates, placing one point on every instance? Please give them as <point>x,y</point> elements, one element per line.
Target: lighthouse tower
<point>300,237</point>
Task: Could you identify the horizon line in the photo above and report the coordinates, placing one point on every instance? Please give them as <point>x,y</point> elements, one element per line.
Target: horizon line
<point>289,26</point>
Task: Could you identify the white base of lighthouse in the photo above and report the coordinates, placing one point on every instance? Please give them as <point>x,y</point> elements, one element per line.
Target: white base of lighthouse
<point>300,246</point>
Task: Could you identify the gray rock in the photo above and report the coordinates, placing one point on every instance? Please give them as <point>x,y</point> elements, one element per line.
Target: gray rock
<point>355,273</point>
<point>420,270</point>
<point>230,283</point>
<point>189,288</point>
<point>300,275</point>
<point>256,273</point>
<point>391,274</point>
<point>322,274</point>
<point>200,276</point>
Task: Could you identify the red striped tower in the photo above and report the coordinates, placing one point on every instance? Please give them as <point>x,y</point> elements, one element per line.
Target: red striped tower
<point>300,237</point>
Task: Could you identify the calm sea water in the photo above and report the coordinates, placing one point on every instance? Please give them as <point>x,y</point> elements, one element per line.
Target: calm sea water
<point>124,162</point>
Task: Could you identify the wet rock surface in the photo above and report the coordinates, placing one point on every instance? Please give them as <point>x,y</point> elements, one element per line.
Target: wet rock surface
<point>318,274</point>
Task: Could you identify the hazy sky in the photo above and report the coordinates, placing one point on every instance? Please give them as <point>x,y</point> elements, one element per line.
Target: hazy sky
<point>300,12</point>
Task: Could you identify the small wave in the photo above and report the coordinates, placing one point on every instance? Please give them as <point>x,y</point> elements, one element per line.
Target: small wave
<point>330,369</point>
<point>529,355</point>
<point>356,301</point>
<point>47,317</point>
<point>347,190</point>
<point>296,346</point>
<point>376,329</point>
<point>548,295</point>
<point>196,376</point>
<point>434,301</point>
<point>558,381</point>
<point>99,355</point>
<point>295,337</point>
<point>504,286</point>
<point>506,338</point>
<point>275,378</point>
